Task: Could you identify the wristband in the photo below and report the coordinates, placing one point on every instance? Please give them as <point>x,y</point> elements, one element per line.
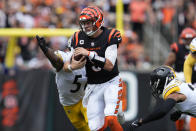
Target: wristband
<point>69,67</point>
<point>98,60</point>
<point>91,55</point>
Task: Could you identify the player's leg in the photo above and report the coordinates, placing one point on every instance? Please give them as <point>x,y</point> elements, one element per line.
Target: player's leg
<point>95,108</point>
<point>112,97</point>
<point>84,114</point>
<point>193,124</point>
<point>123,105</point>
<point>121,117</point>
<point>77,115</point>
<point>179,124</point>
<point>183,123</point>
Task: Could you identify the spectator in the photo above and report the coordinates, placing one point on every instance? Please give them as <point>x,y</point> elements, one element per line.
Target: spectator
<point>138,11</point>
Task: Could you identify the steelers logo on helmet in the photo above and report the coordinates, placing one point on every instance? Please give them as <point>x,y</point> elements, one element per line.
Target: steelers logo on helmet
<point>91,20</point>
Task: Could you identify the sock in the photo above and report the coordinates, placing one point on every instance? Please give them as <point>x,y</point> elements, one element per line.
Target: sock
<point>113,124</point>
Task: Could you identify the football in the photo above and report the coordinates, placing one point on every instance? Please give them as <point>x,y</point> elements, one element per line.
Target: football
<point>77,57</point>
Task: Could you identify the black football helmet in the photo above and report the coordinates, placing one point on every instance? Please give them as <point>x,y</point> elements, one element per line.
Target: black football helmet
<point>159,78</point>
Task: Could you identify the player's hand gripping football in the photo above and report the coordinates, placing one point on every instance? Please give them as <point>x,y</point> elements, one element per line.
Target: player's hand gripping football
<point>77,64</point>
<point>42,43</point>
<point>81,51</point>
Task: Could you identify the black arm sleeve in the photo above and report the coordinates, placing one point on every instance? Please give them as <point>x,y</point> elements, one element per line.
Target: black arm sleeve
<point>54,60</point>
<point>160,111</point>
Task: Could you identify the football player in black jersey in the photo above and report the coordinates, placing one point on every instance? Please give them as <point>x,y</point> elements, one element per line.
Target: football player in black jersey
<point>103,93</point>
<point>180,50</point>
<point>177,56</point>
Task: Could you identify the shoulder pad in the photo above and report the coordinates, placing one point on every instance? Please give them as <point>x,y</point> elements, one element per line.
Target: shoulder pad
<point>173,86</point>
<point>75,38</point>
<point>114,36</point>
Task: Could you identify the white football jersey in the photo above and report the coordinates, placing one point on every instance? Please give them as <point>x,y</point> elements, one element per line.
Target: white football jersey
<point>189,105</point>
<point>70,85</point>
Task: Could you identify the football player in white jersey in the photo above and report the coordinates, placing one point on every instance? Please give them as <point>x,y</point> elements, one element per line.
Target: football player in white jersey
<point>190,74</point>
<point>165,85</point>
<point>71,82</point>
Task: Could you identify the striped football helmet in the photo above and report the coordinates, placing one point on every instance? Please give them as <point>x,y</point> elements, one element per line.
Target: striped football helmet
<point>91,14</point>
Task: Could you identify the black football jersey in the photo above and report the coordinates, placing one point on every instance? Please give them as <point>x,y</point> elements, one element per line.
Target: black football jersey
<point>181,54</point>
<point>108,37</point>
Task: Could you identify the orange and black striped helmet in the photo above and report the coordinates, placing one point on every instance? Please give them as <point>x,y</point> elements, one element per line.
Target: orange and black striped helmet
<point>188,33</point>
<point>94,14</point>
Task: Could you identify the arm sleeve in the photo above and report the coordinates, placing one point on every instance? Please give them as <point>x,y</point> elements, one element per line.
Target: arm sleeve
<point>188,64</point>
<point>160,111</point>
<point>111,53</point>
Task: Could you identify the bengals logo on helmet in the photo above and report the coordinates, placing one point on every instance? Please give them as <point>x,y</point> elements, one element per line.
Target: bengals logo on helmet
<point>94,14</point>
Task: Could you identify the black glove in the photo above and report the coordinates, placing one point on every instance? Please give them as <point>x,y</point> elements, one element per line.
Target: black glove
<point>42,43</point>
<point>175,115</point>
<point>135,124</point>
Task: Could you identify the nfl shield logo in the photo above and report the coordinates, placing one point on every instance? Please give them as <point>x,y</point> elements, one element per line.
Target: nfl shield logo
<point>81,42</point>
<point>92,43</point>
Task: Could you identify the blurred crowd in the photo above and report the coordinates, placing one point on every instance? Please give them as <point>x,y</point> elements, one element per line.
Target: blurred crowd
<point>171,16</point>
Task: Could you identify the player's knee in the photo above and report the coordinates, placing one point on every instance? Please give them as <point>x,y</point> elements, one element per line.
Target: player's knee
<point>84,128</point>
<point>79,124</point>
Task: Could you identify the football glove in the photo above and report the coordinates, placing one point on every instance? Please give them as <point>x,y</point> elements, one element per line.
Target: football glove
<point>175,115</point>
<point>135,124</point>
<point>42,43</point>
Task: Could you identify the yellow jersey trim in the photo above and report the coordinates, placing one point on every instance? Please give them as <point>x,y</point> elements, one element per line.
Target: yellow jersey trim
<point>170,90</point>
